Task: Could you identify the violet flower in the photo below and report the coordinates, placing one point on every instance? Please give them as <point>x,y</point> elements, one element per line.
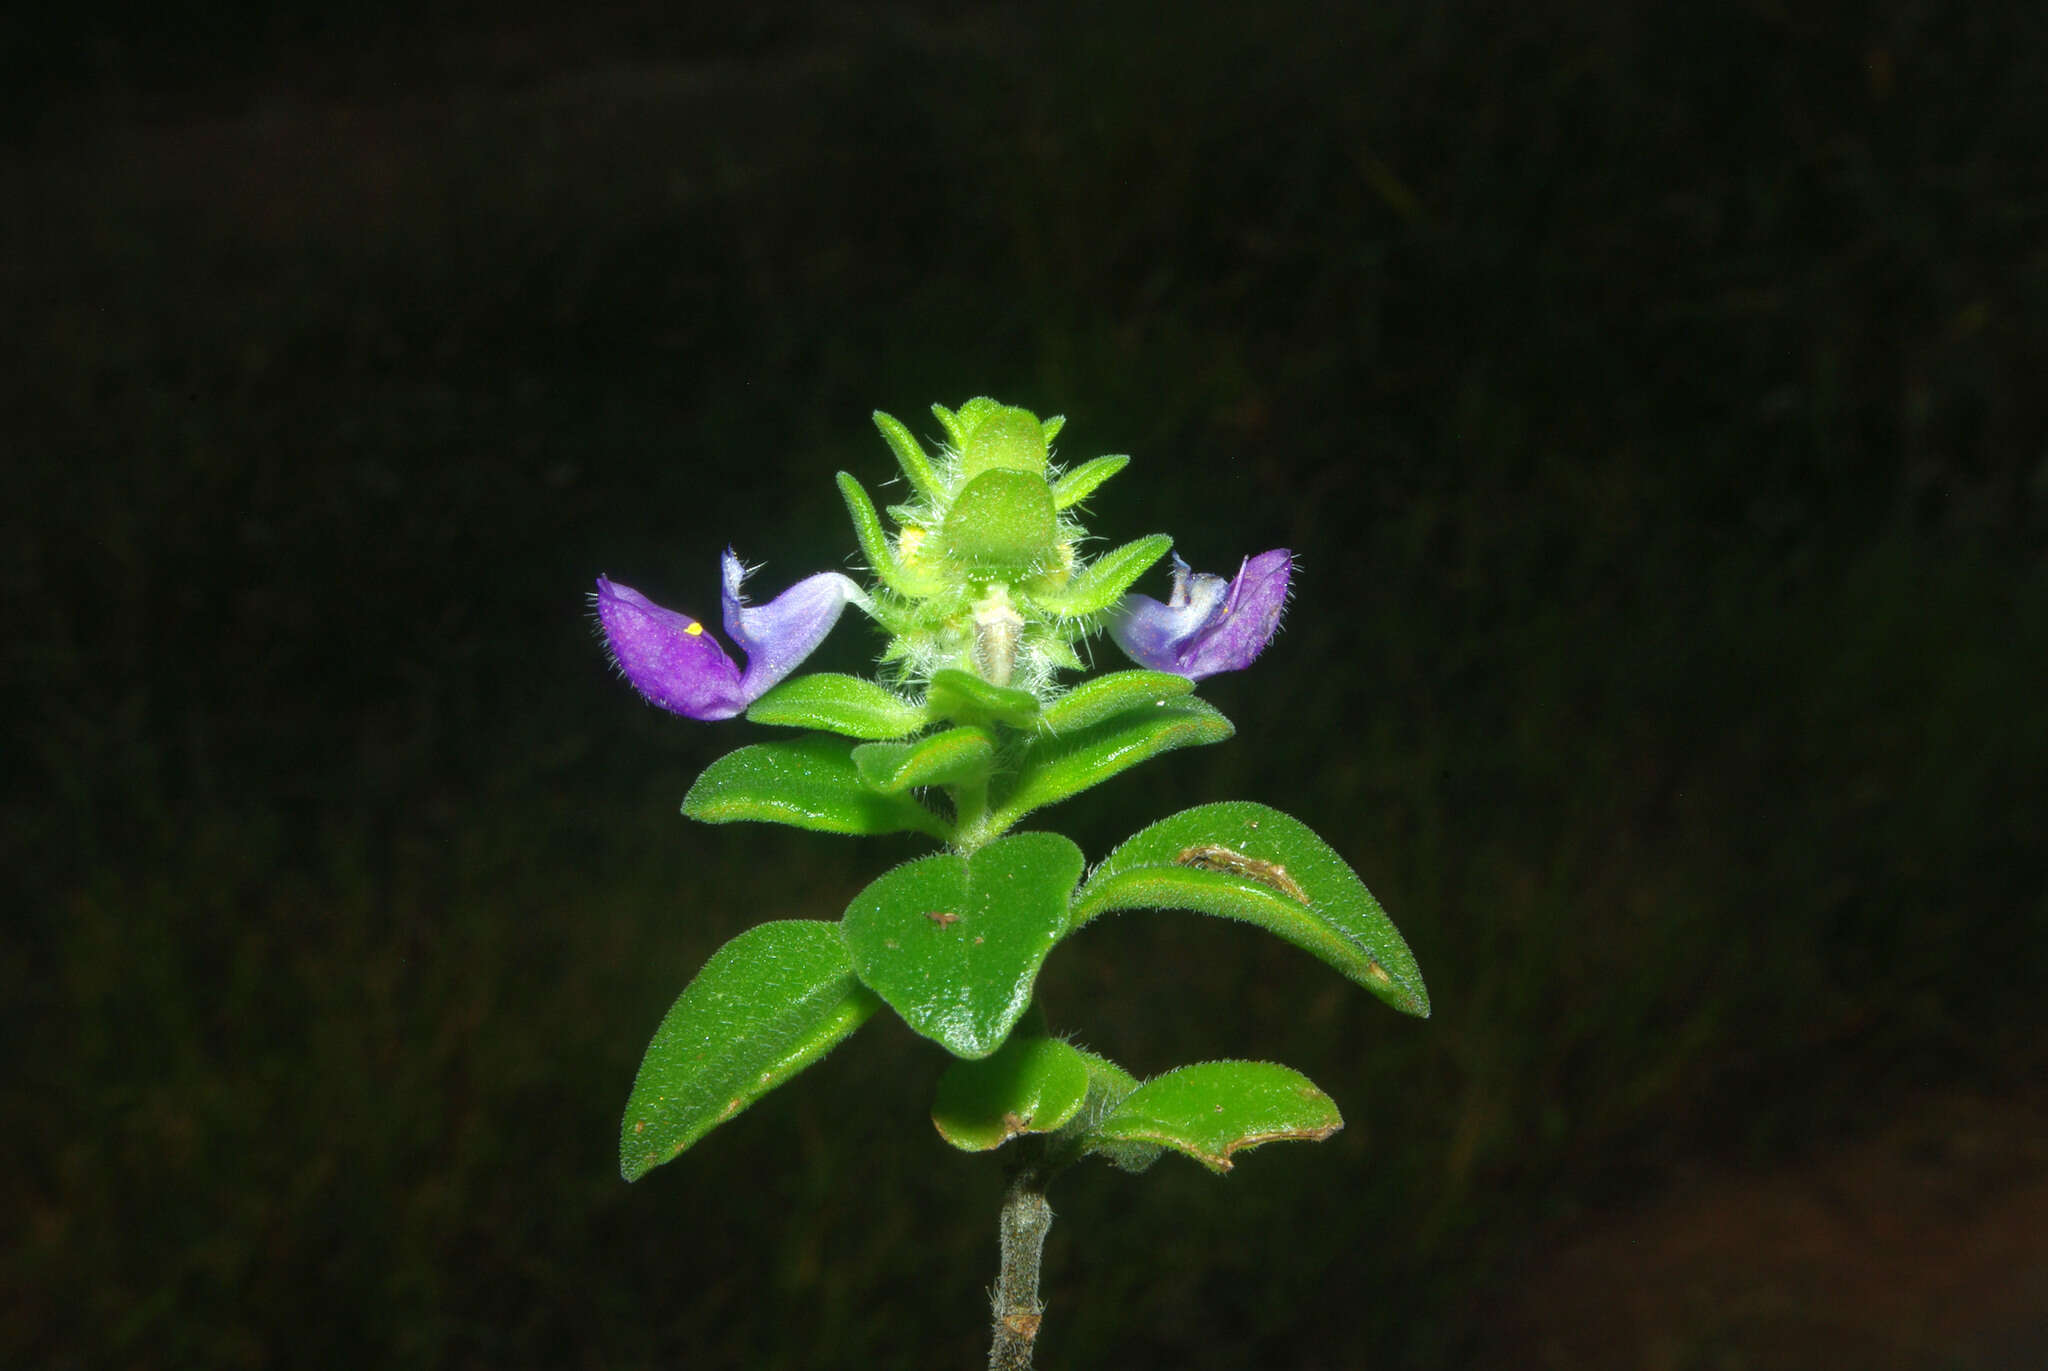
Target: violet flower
<point>670,659</point>
<point>1209,624</point>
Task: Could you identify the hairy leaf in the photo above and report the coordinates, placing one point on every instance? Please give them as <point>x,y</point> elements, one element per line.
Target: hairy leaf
<point>838,703</point>
<point>1053,766</point>
<point>967,699</point>
<point>1106,696</point>
<point>958,754</point>
<point>954,943</point>
<point>1214,1109</point>
<point>767,1004</point>
<point>807,782</point>
<point>1030,1085</point>
<point>1248,861</point>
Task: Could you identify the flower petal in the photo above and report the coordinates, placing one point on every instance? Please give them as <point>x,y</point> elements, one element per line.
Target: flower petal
<point>1209,625</point>
<point>668,657</point>
<point>778,636</point>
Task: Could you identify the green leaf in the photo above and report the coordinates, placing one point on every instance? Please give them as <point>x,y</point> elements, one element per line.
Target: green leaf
<point>1247,861</point>
<point>965,698</point>
<point>1213,1109</point>
<point>1078,484</point>
<point>958,754</point>
<point>954,943</point>
<point>1053,426</point>
<point>767,1005</point>
<point>1030,1085</point>
<point>917,468</point>
<point>1106,696</point>
<point>806,782</point>
<point>1054,766</point>
<point>1104,581</point>
<point>838,703</point>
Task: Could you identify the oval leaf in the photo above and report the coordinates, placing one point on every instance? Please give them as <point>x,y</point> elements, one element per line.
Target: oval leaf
<point>954,943</point>
<point>1052,767</point>
<point>1030,1085</point>
<point>806,783</point>
<point>838,703</point>
<point>1213,1109</point>
<point>767,1005</point>
<point>1107,696</point>
<point>958,754</point>
<point>1247,861</point>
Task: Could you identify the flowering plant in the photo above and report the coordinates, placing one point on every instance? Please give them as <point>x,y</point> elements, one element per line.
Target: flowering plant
<point>985,597</point>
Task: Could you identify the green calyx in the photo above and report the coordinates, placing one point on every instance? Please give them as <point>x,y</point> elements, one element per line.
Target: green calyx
<point>982,575</point>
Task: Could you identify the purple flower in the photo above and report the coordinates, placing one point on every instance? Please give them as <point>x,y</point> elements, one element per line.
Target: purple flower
<point>671,660</point>
<point>1210,624</point>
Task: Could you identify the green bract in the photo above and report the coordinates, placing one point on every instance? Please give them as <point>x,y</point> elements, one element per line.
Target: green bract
<point>986,600</point>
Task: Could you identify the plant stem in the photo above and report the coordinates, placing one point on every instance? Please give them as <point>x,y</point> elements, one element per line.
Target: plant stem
<point>1025,1219</point>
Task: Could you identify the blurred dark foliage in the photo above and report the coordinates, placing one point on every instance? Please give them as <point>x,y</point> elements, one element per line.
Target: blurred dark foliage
<point>1648,392</point>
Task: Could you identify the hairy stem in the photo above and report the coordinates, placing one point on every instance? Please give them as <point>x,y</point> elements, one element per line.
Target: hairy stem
<point>1025,1219</point>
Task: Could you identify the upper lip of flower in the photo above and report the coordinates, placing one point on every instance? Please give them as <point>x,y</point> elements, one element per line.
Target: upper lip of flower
<point>674,663</point>
<point>1209,625</point>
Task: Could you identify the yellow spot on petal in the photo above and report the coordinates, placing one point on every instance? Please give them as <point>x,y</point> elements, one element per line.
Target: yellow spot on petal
<point>694,630</point>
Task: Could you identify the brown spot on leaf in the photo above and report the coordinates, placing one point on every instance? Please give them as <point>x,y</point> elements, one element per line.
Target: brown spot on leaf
<point>944,918</point>
<point>1217,857</point>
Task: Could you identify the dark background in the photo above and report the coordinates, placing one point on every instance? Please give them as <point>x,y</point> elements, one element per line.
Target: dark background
<point>1652,396</point>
